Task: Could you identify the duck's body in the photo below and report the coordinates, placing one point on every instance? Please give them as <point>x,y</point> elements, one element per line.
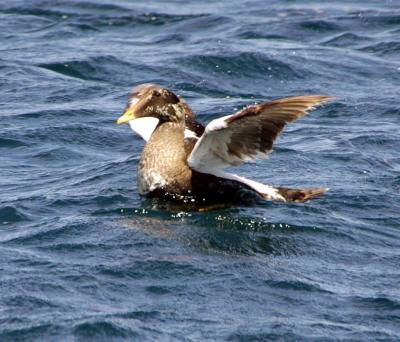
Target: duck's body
<point>164,171</point>
<point>183,160</point>
<point>162,167</point>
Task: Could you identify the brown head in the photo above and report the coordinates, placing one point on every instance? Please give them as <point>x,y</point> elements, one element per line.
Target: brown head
<point>152,100</point>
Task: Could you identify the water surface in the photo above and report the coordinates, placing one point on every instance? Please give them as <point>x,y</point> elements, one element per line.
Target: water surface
<point>83,257</point>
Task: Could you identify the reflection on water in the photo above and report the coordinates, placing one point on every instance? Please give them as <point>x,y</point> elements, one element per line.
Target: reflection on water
<point>226,231</point>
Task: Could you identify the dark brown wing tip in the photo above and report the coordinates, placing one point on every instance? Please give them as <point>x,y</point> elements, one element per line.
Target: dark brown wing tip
<point>298,105</point>
<point>321,99</point>
<point>301,195</point>
<point>316,101</point>
<point>310,100</point>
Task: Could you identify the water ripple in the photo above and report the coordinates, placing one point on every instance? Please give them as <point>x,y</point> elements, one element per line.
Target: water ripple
<point>84,257</point>
<point>243,64</point>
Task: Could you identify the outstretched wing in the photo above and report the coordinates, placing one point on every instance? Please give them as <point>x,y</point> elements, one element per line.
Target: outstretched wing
<point>233,139</point>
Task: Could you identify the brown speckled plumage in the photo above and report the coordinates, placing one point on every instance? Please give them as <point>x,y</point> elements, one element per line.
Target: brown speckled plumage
<point>163,160</point>
<point>169,166</point>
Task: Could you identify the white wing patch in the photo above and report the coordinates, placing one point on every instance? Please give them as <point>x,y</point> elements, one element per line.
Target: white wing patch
<point>210,155</point>
<point>144,126</point>
<point>190,134</point>
<point>217,124</point>
<point>267,191</point>
<point>210,152</point>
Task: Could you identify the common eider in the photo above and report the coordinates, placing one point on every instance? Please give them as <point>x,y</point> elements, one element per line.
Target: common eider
<point>183,160</point>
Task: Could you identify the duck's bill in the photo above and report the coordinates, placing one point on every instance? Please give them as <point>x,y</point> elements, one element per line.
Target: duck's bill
<point>126,117</point>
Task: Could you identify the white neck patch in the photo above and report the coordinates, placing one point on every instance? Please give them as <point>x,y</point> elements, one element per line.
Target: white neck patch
<point>144,126</point>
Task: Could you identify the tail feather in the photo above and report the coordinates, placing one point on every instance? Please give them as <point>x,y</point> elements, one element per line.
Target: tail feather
<point>300,195</point>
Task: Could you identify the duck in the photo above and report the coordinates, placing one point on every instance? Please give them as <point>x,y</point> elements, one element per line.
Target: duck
<point>183,160</point>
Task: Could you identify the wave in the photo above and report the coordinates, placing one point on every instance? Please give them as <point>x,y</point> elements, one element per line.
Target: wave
<point>244,64</point>
<point>377,303</point>
<point>152,268</point>
<point>10,214</point>
<point>296,285</point>
<point>104,330</point>
<point>319,25</point>
<point>11,143</point>
<point>346,39</point>
<point>391,48</point>
<point>33,332</point>
<point>99,68</point>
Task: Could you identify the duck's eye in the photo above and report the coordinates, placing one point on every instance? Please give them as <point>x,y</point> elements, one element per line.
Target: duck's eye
<point>156,93</point>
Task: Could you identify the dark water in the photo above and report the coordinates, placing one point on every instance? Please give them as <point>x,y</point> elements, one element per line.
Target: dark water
<point>83,257</point>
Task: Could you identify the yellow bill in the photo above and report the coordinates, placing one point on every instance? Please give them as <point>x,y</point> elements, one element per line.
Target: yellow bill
<point>127,116</point>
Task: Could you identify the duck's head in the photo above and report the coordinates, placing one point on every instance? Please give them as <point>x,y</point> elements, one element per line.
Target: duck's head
<point>154,101</point>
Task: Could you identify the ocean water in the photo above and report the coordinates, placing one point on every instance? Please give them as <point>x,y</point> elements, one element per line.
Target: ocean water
<point>84,258</point>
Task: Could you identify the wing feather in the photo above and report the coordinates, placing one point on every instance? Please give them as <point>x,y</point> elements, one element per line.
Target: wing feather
<point>233,139</point>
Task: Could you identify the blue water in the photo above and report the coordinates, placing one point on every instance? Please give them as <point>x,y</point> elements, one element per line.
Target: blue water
<point>83,257</point>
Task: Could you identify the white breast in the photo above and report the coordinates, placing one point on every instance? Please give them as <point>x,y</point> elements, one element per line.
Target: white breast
<point>144,126</point>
